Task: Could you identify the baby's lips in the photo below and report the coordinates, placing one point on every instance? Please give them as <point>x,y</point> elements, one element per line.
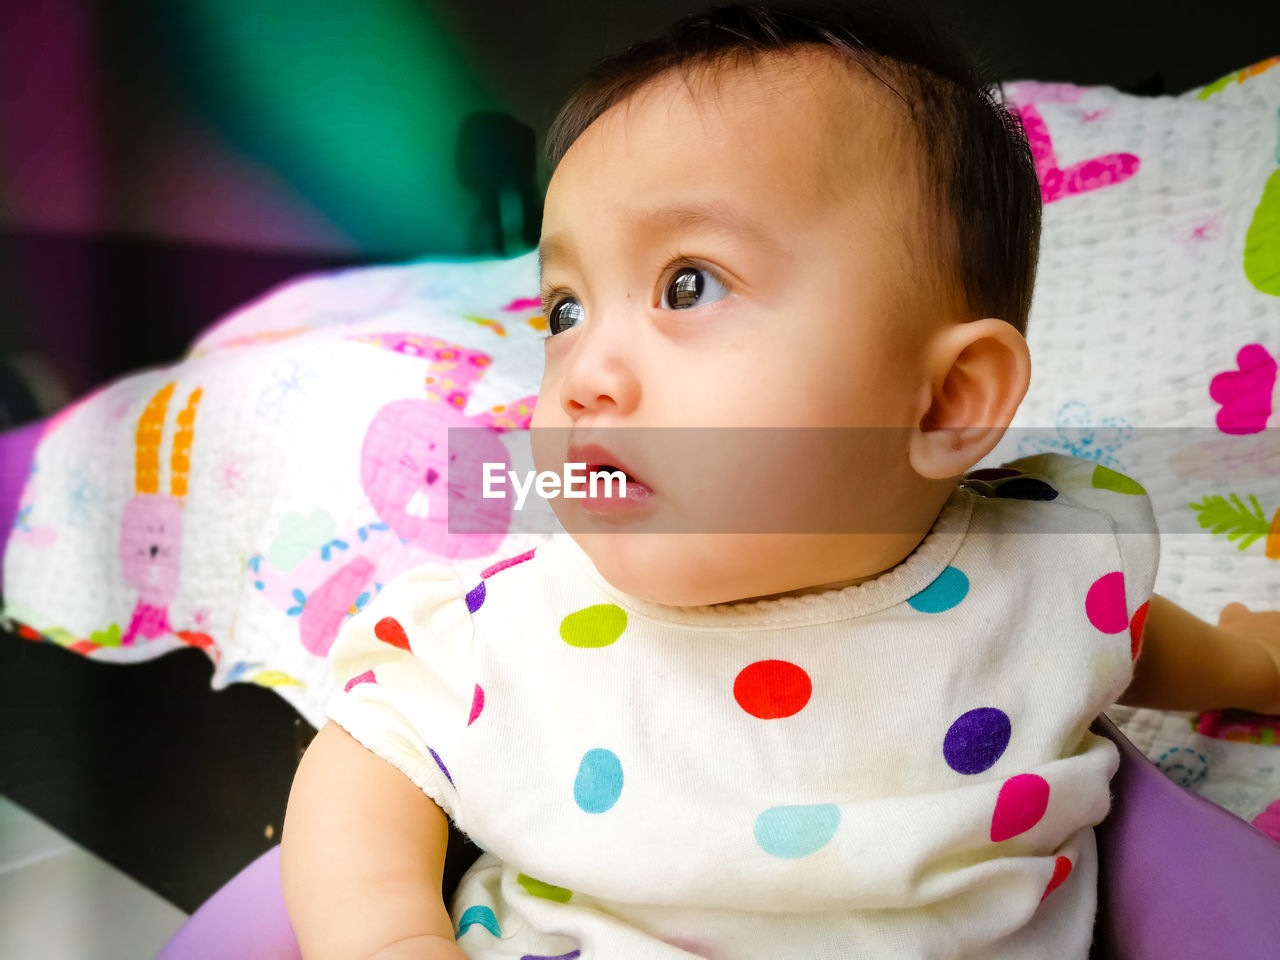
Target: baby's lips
<point>596,455</point>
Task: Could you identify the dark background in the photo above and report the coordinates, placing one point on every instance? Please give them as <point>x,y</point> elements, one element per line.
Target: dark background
<point>162,163</point>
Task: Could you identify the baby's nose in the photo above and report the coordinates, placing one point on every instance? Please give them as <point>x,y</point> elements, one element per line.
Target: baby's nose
<point>601,373</point>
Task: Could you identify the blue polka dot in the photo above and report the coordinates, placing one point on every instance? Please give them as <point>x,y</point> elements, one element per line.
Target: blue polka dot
<point>977,740</point>
<point>948,589</point>
<point>798,831</point>
<point>479,916</point>
<point>599,781</point>
<point>475,599</point>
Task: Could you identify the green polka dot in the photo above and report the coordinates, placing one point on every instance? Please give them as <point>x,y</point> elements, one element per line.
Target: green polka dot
<point>546,891</point>
<point>1105,479</point>
<point>596,626</point>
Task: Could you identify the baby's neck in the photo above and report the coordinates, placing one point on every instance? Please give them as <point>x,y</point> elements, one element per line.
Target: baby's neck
<point>889,551</point>
<point>817,588</point>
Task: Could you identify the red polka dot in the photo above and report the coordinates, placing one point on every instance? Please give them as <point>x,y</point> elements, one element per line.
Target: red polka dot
<point>770,689</point>
<point>1061,870</point>
<point>1022,802</point>
<point>1104,604</point>
<point>388,630</point>
<point>1135,629</point>
<point>477,704</point>
<point>359,678</point>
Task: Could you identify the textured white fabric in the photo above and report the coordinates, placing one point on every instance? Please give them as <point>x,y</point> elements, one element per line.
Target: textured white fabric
<point>894,769</point>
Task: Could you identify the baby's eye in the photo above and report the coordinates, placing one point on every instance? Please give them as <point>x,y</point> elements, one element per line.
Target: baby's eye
<point>688,287</point>
<point>564,314</point>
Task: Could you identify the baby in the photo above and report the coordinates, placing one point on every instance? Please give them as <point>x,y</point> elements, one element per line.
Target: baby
<point>858,728</point>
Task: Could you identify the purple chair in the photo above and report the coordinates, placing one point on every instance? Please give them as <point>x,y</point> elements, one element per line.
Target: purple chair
<point>1179,877</point>
<point>16,450</point>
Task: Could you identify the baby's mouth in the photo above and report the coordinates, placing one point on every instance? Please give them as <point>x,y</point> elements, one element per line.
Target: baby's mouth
<point>605,470</point>
<point>607,478</point>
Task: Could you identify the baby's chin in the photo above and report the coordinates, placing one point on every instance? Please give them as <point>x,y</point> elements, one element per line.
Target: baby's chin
<point>689,570</point>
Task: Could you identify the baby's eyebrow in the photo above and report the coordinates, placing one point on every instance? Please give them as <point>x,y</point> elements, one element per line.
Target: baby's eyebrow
<point>667,220</point>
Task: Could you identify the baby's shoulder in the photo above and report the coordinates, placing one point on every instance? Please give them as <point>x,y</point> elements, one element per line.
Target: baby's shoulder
<point>1069,493</point>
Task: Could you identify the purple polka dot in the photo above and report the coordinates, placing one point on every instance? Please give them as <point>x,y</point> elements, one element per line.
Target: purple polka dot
<point>977,740</point>
<point>475,599</point>
<point>440,763</point>
<point>1025,488</point>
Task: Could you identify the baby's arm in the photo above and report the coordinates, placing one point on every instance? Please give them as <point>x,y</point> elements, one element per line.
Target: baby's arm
<point>1188,664</point>
<point>362,856</point>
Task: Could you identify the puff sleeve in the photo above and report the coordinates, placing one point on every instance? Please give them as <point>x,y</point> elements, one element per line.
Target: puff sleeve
<point>1124,502</point>
<point>405,671</point>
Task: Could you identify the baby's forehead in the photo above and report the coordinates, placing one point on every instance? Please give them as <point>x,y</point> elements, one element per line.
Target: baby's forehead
<point>855,130</point>
<point>774,150</point>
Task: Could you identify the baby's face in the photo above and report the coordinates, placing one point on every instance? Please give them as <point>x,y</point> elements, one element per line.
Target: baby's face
<point>737,255</point>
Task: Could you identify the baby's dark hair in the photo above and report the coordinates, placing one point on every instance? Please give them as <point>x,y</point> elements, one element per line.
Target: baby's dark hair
<point>978,165</point>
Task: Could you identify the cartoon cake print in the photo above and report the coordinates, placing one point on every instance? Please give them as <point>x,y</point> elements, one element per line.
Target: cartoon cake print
<point>404,471</point>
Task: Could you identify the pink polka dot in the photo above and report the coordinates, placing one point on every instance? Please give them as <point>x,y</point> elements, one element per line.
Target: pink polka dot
<point>1268,821</point>
<point>501,565</point>
<point>359,678</point>
<point>1022,802</point>
<point>477,704</point>
<point>1104,604</point>
<point>1061,870</point>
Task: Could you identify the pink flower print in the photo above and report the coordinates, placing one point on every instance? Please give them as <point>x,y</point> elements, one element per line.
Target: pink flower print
<point>1245,393</point>
<point>1204,232</point>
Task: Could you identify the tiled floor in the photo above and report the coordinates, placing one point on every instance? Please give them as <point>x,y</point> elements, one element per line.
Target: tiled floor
<point>60,902</point>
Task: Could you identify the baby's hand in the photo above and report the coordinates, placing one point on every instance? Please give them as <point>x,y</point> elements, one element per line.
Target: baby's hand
<point>1263,628</point>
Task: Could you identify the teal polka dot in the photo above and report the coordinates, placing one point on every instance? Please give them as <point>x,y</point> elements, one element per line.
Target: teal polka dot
<point>599,781</point>
<point>949,588</point>
<point>479,916</point>
<point>797,831</point>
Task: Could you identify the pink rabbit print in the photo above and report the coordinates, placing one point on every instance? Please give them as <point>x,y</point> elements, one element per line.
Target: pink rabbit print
<point>151,528</point>
<point>406,461</point>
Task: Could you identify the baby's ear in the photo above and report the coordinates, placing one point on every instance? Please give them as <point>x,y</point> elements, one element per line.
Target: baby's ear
<point>977,374</point>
